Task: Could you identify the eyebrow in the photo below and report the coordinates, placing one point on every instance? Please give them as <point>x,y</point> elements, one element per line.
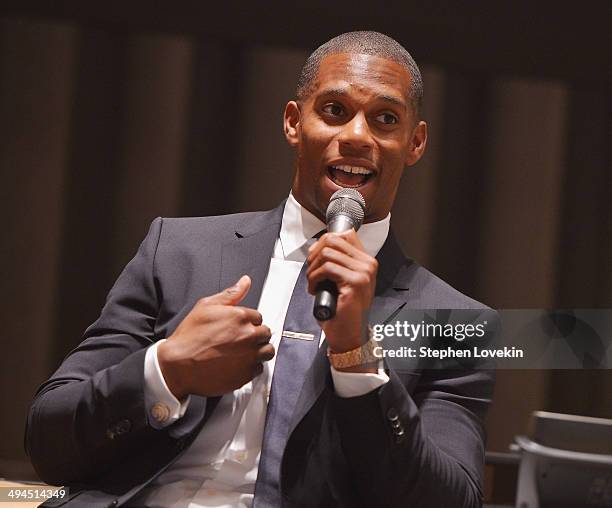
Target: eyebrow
<point>342,92</point>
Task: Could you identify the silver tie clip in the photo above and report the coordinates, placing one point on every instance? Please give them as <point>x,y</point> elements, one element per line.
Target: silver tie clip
<point>298,335</point>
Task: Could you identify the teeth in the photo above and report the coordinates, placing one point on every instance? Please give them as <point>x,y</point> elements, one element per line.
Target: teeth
<point>357,170</point>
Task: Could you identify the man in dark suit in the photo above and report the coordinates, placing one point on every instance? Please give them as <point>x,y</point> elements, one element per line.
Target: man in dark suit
<point>184,393</point>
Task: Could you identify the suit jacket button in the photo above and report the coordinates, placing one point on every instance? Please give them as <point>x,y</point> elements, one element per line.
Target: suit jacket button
<point>396,424</point>
<point>399,435</point>
<point>113,504</point>
<point>392,415</point>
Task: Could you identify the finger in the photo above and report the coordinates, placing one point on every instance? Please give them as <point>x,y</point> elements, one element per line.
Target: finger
<point>340,242</point>
<point>349,236</point>
<point>248,315</point>
<point>265,353</point>
<point>261,335</point>
<point>330,254</point>
<point>231,295</point>
<point>352,237</point>
<point>338,274</point>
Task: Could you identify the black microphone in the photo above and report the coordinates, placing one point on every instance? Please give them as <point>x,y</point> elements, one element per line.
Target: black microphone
<point>346,210</point>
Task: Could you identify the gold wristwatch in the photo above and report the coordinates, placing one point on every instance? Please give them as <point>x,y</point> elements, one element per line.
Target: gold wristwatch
<point>359,356</point>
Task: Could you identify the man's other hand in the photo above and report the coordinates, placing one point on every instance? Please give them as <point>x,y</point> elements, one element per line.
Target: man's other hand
<point>218,347</point>
<point>340,257</point>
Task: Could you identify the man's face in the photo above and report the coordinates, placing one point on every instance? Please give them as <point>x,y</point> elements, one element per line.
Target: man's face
<point>357,128</point>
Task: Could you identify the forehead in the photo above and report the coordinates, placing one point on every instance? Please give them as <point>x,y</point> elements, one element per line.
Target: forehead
<point>362,73</point>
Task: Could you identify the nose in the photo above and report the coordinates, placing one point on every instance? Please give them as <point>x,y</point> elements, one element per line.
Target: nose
<point>356,134</point>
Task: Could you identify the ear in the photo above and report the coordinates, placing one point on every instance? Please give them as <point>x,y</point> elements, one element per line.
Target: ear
<point>418,143</point>
<point>291,123</point>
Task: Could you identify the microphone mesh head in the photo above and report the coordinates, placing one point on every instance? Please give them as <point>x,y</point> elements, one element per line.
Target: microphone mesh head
<point>347,202</point>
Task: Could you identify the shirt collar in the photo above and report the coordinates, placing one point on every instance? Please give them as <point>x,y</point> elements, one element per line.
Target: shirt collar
<point>299,226</point>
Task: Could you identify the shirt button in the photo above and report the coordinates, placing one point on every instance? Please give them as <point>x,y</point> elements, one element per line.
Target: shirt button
<point>240,456</point>
<point>160,412</point>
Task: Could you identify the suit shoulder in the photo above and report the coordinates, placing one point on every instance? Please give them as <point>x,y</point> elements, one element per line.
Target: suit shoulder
<point>430,291</point>
<point>211,223</point>
<point>218,227</point>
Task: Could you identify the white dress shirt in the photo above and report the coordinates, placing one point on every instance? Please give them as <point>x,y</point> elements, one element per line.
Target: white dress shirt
<point>220,468</point>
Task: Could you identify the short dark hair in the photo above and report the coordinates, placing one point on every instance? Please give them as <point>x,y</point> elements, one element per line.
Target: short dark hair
<point>368,43</point>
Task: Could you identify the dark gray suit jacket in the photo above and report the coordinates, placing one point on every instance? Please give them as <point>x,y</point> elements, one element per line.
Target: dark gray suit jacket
<point>88,428</point>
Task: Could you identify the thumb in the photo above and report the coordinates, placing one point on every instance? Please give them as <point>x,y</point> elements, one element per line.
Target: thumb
<point>231,295</point>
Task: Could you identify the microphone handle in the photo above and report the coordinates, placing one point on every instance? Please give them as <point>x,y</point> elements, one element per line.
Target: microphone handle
<point>325,300</point>
<point>326,291</point>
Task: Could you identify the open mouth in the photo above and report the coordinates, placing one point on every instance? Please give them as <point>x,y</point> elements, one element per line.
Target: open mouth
<point>349,176</point>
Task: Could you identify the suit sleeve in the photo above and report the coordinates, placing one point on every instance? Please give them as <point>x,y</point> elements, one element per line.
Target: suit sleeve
<point>91,413</point>
<point>423,449</point>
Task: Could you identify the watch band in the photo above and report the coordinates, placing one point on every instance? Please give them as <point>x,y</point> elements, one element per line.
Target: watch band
<point>359,356</point>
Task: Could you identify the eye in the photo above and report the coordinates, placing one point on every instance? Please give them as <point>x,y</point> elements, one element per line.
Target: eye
<point>387,118</point>
<point>333,109</point>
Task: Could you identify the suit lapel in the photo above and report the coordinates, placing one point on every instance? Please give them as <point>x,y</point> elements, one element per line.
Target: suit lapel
<point>249,252</point>
<point>392,282</point>
<point>391,287</point>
